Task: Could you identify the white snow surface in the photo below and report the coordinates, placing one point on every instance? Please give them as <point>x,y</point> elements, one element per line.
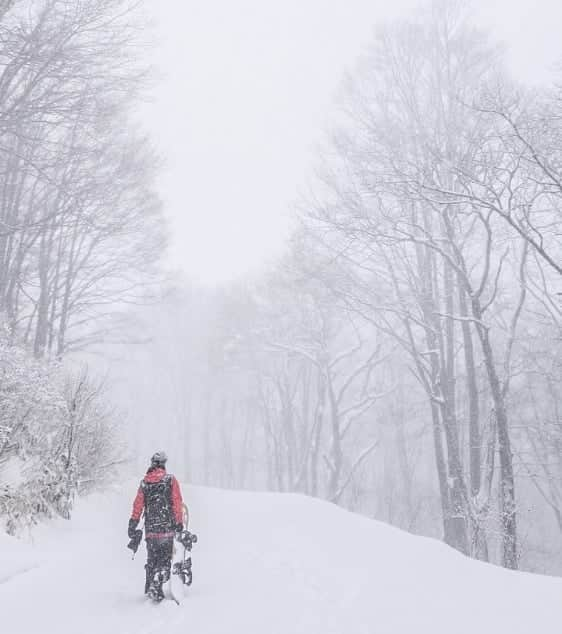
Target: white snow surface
<point>264,564</point>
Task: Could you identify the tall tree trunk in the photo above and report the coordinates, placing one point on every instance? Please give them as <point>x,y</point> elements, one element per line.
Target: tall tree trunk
<point>335,463</point>
<point>442,359</point>
<point>508,508</point>
<point>41,328</point>
<point>317,436</point>
<point>475,449</point>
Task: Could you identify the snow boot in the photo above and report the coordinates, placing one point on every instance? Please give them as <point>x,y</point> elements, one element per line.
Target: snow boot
<point>155,591</point>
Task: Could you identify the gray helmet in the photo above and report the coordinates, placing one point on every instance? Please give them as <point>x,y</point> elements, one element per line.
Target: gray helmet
<point>159,459</point>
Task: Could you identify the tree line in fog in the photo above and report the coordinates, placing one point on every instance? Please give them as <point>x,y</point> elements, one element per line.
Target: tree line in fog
<point>81,232</point>
<point>404,358</point>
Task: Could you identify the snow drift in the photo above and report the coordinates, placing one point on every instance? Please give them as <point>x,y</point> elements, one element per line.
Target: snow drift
<point>265,563</point>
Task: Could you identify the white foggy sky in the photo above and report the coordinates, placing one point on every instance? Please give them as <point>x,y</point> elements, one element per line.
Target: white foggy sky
<point>246,94</point>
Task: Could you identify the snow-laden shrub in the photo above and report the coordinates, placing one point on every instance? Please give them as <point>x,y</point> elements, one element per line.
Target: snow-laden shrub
<point>56,437</point>
<point>90,445</point>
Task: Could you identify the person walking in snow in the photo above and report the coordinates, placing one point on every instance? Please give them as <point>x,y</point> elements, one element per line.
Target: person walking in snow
<point>160,498</point>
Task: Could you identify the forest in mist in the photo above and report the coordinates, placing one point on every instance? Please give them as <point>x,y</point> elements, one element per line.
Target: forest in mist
<point>81,236</point>
<point>403,359</point>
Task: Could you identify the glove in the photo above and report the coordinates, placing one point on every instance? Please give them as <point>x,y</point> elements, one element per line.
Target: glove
<point>132,526</point>
<point>135,541</point>
<point>178,528</point>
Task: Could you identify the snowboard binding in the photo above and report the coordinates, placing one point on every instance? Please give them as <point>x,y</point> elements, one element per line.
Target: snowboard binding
<point>187,539</point>
<point>183,568</point>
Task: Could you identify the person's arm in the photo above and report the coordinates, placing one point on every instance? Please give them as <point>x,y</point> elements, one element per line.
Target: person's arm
<point>177,502</point>
<point>138,506</point>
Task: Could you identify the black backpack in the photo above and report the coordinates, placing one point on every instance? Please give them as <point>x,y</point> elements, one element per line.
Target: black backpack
<point>158,514</point>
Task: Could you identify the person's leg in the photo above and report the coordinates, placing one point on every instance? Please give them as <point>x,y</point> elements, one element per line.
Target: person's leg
<point>148,578</point>
<point>164,556</point>
<point>160,563</point>
<point>151,561</point>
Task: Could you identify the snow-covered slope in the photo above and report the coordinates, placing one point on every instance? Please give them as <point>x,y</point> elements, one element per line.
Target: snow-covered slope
<point>264,564</point>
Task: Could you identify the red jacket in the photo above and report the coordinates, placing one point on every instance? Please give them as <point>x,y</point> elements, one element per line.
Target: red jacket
<point>153,476</point>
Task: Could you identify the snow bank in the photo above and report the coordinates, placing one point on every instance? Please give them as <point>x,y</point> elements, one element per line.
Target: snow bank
<point>16,558</point>
<point>275,564</point>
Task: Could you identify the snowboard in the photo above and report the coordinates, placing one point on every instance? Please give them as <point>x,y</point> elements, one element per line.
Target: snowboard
<point>181,575</point>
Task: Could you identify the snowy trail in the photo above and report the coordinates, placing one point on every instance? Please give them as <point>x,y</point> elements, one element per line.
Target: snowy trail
<point>265,563</point>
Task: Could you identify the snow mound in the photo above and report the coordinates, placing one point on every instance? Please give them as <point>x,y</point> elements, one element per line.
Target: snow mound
<point>16,558</point>
<point>268,563</point>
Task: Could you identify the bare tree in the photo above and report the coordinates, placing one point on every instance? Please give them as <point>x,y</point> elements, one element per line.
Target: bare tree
<point>80,225</point>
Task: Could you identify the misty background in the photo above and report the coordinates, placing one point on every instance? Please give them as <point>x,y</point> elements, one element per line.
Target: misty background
<point>247,92</point>
<point>317,250</point>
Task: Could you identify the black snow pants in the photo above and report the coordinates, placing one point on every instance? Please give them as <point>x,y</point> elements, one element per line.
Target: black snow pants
<point>159,558</point>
